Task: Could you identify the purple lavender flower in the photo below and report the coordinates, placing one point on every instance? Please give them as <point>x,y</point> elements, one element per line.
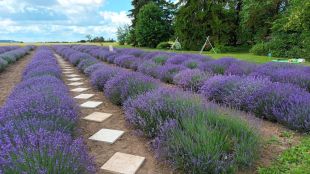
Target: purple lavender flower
<point>89,70</point>
<point>219,66</point>
<point>128,85</point>
<point>166,72</point>
<point>240,68</point>
<point>100,77</point>
<point>191,79</point>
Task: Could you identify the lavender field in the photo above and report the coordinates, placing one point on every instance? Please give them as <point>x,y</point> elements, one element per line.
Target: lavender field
<point>196,114</point>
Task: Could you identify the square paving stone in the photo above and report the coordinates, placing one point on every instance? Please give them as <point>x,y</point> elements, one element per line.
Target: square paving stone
<point>84,96</point>
<point>79,89</point>
<point>123,163</point>
<point>72,75</point>
<point>97,116</point>
<point>76,83</point>
<point>75,79</point>
<point>91,104</point>
<point>107,135</point>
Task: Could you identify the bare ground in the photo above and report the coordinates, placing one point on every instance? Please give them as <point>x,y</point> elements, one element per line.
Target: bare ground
<point>11,76</point>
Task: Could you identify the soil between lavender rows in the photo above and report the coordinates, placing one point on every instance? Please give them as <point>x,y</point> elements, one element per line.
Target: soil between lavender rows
<point>11,76</point>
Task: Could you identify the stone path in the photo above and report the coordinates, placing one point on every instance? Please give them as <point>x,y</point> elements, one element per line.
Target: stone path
<point>113,144</point>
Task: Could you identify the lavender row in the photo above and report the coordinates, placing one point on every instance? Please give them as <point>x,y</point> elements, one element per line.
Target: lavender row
<point>184,131</point>
<point>7,48</point>
<point>131,58</point>
<point>12,56</point>
<point>38,123</point>
<point>285,103</point>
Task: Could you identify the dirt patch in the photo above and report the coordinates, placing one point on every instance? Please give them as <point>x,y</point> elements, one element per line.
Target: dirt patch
<point>11,76</point>
<point>128,143</point>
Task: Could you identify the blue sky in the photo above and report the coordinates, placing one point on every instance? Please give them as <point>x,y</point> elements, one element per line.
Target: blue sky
<point>61,20</point>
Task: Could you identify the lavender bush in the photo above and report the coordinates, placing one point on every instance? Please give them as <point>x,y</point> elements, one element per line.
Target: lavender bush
<point>100,77</point>
<point>128,85</point>
<point>125,61</point>
<point>207,142</point>
<point>89,70</point>
<point>166,72</point>
<point>219,66</point>
<point>240,68</point>
<point>148,111</point>
<point>191,80</point>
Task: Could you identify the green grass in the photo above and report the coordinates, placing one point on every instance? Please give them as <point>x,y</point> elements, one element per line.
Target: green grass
<point>242,56</point>
<point>295,160</point>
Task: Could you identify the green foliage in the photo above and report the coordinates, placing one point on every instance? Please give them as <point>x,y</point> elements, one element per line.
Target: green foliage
<point>151,28</point>
<point>295,160</point>
<point>123,34</point>
<point>291,33</point>
<point>211,142</point>
<point>167,8</point>
<point>197,19</point>
<point>257,17</point>
<point>164,45</point>
<point>261,49</point>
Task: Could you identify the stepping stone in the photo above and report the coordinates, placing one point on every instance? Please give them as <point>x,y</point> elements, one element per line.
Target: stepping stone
<point>68,72</point>
<point>97,116</point>
<point>107,135</point>
<point>84,96</point>
<point>75,79</point>
<point>72,75</point>
<point>67,69</point>
<point>79,89</point>
<point>76,83</point>
<point>123,163</point>
<point>91,104</point>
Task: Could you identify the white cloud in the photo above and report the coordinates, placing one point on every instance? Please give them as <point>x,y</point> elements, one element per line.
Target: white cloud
<point>6,22</point>
<point>120,18</point>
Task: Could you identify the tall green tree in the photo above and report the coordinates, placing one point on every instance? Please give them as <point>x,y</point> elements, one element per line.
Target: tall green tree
<point>291,32</point>
<point>197,19</point>
<point>257,17</point>
<point>151,27</point>
<point>167,7</point>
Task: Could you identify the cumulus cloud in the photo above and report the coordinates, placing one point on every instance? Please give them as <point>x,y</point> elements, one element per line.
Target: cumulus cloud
<point>117,18</point>
<point>53,20</point>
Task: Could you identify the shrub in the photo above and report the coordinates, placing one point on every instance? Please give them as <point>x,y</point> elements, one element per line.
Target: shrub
<point>164,45</point>
<point>125,60</point>
<point>207,142</point>
<point>261,49</point>
<point>190,79</point>
<point>101,76</point>
<point>89,70</point>
<point>240,68</point>
<point>84,63</point>
<point>160,59</point>
<point>148,68</point>
<point>177,59</point>
<point>3,64</point>
<point>42,152</point>
<point>148,111</point>
<point>219,66</point>
<point>166,72</point>
<point>218,87</point>
<point>284,103</point>
<point>128,85</point>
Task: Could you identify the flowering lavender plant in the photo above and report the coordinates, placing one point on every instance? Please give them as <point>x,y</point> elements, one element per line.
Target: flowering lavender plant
<point>191,79</point>
<point>128,85</point>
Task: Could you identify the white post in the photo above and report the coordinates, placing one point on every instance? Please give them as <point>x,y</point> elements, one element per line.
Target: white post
<point>204,45</point>
<point>176,40</point>
<point>211,45</point>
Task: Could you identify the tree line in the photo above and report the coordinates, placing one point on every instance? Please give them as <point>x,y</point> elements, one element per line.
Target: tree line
<point>277,27</point>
